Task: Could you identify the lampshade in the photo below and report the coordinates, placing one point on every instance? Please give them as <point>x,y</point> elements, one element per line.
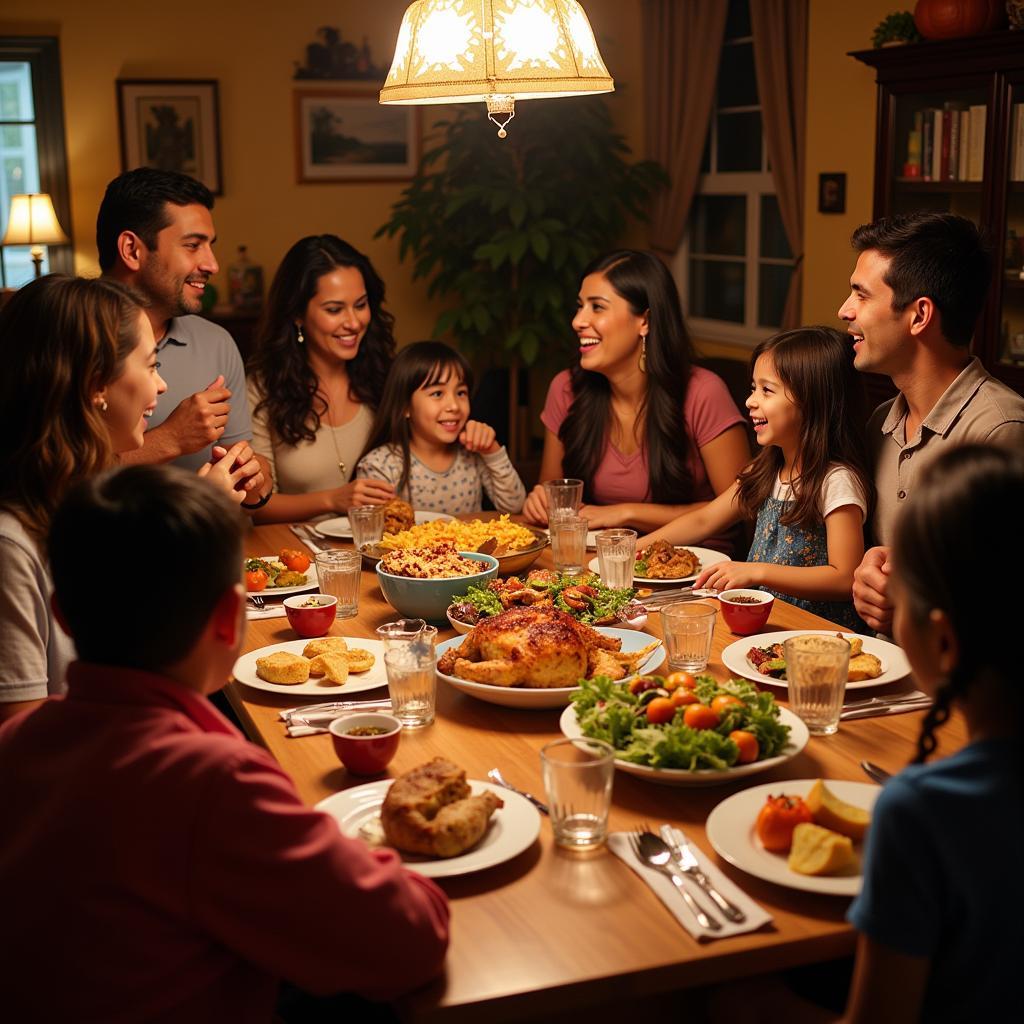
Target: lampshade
<point>32,221</point>
<point>498,51</point>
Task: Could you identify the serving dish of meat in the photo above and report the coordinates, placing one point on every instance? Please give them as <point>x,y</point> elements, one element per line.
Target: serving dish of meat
<point>660,562</point>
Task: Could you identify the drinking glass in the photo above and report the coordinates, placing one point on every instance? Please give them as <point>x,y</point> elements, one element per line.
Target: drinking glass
<point>616,555</point>
<point>564,495</point>
<point>688,627</point>
<point>816,672</point>
<point>568,541</point>
<point>578,780</point>
<point>412,682</point>
<point>367,522</point>
<point>402,631</point>
<point>339,573</point>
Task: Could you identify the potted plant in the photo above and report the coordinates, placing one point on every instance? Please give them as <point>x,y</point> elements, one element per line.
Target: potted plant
<point>502,229</point>
<point>895,29</point>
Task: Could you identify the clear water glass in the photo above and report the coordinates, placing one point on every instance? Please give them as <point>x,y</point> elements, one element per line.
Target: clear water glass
<point>412,683</point>
<point>688,627</point>
<point>564,495</point>
<point>367,522</point>
<point>340,573</point>
<point>578,781</point>
<point>403,631</point>
<point>616,556</point>
<point>817,668</point>
<point>568,542</point>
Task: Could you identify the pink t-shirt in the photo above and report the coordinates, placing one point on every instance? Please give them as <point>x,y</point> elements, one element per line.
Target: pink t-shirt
<point>707,412</point>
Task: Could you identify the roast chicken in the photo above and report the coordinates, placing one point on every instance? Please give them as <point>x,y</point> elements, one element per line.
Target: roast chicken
<point>537,646</point>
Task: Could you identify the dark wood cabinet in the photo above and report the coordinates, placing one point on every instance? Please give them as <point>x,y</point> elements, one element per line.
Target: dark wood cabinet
<point>951,92</point>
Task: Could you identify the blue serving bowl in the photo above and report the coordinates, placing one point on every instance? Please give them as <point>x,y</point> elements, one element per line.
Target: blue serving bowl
<point>429,599</point>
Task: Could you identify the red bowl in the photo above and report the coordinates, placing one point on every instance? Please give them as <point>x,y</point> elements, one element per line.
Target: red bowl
<point>311,620</point>
<point>366,755</point>
<point>743,617</point>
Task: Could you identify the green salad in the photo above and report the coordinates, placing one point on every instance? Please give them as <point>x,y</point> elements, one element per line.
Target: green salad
<point>644,729</point>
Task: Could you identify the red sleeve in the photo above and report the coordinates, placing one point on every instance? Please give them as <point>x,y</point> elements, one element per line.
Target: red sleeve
<point>709,409</point>
<point>280,885</point>
<point>558,402</point>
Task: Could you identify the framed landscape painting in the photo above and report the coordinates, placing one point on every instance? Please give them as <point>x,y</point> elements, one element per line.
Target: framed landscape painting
<point>173,125</point>
<point>349,136</point>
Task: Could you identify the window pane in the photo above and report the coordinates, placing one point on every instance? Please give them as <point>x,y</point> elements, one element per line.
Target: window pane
<point>771,294</point>
<point>16,91</point>
<point>18,268</point>
<point>774,243</point>
<point>737,22</point>
<point>739,142</point>
<point>737,81</point>
<point>718,225</point>
<point>717,289</point>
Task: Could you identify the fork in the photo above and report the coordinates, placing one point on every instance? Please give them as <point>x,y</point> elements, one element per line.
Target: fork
<point>257,602</point>
<point>687,861</point>
<point>653,852</point>
<point>495,776</point>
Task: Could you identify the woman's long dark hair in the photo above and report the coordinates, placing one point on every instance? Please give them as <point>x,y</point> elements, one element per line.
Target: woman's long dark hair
<point>419,365</point>
<point>965,512</point>
<point>815,365</point>
<point>287,385</point>
<point>645,283</point>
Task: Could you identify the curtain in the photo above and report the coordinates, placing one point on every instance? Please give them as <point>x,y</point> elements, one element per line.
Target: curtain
<point>683,43</point>
<point>780,58</point>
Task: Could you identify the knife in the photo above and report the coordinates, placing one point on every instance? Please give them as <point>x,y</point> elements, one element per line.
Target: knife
<point>305,534</point>
<point>679,594</point>
<point>886,709</point>
<point>692,868</point>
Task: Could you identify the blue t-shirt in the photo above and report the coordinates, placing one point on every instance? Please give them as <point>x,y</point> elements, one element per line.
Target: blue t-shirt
<point>944,877</point>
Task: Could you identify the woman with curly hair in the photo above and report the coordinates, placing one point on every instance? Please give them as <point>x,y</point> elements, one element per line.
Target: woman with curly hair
<point>316,379</point>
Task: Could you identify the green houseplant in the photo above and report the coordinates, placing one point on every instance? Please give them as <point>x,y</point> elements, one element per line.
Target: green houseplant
<point>501,229</point>
<point>894,28</point>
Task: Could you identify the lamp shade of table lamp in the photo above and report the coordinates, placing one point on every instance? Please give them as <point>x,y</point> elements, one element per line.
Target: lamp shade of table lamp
<point>32,221</point>
<point>495,51</point>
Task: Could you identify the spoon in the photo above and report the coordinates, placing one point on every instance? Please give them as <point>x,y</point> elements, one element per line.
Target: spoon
<point>495,776</point>
<point>873,772</point>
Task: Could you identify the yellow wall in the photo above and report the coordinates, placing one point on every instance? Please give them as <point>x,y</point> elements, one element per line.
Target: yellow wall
<point>250,48</point>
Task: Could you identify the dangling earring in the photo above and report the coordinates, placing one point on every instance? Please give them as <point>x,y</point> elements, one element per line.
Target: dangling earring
<point>102,405</point>
<point>298,334</point>
<point>643,353</point>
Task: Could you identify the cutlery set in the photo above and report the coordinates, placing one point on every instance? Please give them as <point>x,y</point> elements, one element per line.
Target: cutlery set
<point>307,536</point>
<point>872,706</point>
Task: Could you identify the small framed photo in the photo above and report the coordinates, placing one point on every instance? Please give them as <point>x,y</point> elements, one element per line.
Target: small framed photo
<point>173,125</point>
<point>349,136</point>
<point>832,193</point>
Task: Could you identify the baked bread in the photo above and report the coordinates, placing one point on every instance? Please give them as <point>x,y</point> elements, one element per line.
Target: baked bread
<point>819,851</point>
<point>864,666</point>
<point>333,665</point>
<point>323,644</point>
<point>283,668</point>
<point>359,660</point>
<point>398,516</point>
<point>430,810</point>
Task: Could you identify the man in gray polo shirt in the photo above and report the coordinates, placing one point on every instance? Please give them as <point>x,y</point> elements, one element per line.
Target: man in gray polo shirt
<point>915,295</point>
<point>155,233</point>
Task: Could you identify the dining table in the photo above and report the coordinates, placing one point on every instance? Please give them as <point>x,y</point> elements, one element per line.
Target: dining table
<point>551,933</point>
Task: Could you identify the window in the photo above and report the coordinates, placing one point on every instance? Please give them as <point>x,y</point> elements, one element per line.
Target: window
<point>735,263</point>
<point>32,151</point>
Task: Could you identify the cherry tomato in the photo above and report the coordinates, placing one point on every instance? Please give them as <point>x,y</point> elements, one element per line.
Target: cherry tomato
<point>724,701</point>
<point>683,697</point>
<point>256,579</point>
<point>747,742</point>
<point>642,683</point>
<point>297,561</point>
<point>661,710</point>
<point>700,716</point>
<point>777,819</point>
<point>680,680</point>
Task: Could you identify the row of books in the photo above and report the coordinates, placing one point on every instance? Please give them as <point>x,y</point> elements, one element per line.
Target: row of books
<point>947,143</point>
<point>1017,143</point>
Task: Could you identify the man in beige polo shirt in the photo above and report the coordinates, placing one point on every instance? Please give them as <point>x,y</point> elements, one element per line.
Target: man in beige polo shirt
<point>915,295</point>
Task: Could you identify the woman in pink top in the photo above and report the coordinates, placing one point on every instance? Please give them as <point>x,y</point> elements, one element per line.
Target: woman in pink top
<point>650,434</point>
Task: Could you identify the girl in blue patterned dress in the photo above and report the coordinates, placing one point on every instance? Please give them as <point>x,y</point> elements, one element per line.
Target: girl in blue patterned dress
<point>808,488</point>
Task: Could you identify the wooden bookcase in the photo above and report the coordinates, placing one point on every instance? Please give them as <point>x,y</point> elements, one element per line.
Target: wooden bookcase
<point>954,75</point>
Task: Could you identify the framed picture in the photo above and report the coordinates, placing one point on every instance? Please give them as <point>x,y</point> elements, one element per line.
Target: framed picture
<point>349,136</point>
<point>173,125</point>
<point>832,193</point>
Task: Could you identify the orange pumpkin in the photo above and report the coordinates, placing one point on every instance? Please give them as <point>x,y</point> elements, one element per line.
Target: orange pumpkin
<point>777,819</point>
<point>954,19</point>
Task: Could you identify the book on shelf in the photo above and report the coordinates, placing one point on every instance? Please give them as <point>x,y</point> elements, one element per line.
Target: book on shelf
<point>1017,136</point>
<point>976,136</point>
<point>965,143</point>
<point>936,168</point>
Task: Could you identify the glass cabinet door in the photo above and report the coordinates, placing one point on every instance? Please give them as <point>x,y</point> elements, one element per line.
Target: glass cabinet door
<point>1011,317</point>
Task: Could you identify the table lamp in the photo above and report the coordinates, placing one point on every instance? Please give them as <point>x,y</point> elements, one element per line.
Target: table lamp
<point>32,221</point>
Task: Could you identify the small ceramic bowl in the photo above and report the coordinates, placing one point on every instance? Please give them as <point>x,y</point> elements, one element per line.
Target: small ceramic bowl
<point>309,620</point>
<point>746,611</point>
<point>366,755</point>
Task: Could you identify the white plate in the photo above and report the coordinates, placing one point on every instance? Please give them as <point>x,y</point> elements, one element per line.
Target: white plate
<point>513,828</point>
<point>730,830</point>
<point>556,697</point>
<point>798,737</point>
<point>245,671</point>
<point>894,662</point>
<point>312,583</point>
<point>706,555</point>
<point>341,529</point>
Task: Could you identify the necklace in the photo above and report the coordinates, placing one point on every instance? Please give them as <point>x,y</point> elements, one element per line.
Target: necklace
<point>337,453</point>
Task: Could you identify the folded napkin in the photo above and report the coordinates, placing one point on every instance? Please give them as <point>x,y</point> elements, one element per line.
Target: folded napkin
<point>305,534</point>
<point>618,843</point>
<point>321,717</point>
<point>268,611</point>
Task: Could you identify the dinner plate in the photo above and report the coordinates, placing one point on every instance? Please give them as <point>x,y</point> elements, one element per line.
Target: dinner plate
<point>706,555</point>
<point>798,737</point>
<point>894,662</point>
<point>341,529</point>
<point>312,583</point>
<point>730,830</point>
<point>245,671</point>
<point>513,828</point>
<point>556,697</point>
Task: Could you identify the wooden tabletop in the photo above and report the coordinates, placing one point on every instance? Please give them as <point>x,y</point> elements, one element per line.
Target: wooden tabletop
<point>551,931</point>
